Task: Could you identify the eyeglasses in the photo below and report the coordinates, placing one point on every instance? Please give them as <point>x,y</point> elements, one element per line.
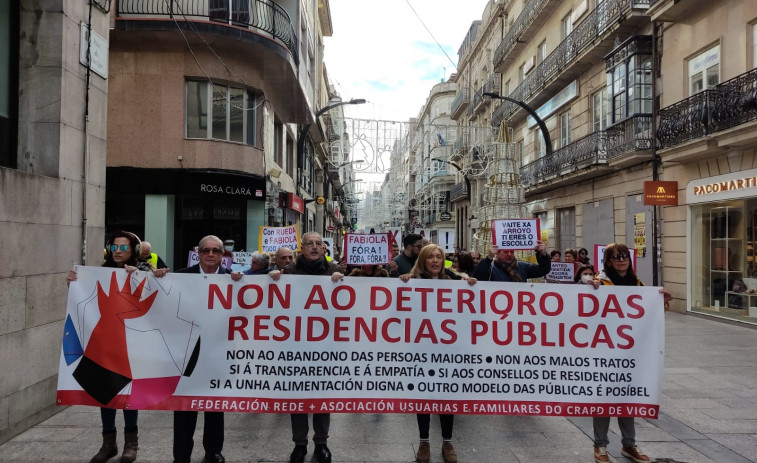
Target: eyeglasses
<point>583,253</point>
<point>313,243</point>
<point>115,247</point>
<point>211,251</point>
<point>620,257</point>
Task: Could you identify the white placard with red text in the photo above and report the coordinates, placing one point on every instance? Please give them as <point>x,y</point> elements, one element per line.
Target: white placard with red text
<point>193,258</point>
<point>270,239</point>
<point>515,234</point>
<point>366,249</point>
<point>306,344</point>
<point>395,234</point>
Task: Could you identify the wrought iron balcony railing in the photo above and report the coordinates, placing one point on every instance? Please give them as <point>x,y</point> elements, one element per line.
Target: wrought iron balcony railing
<point>461,143</point>
<point>526,17</point>
<point>458,191</point>
<point>262,16</point>
<point>631,135</point>
<point>460,102</point>
<point>732,103</point>
<point>596,23</point>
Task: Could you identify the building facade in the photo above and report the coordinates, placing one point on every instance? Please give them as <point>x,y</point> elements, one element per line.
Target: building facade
<point>52,188</point>
<point>212,120</point>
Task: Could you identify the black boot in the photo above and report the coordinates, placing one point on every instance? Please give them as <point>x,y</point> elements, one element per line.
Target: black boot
<point>109,448</point>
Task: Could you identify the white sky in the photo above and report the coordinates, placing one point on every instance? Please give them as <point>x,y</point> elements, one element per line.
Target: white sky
<point>381,51</point>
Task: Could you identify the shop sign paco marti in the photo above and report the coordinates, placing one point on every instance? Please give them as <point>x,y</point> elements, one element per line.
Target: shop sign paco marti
<point>657,193</point>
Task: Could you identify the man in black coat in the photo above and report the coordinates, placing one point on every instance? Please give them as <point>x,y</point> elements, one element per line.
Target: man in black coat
<point>210,250</point>
<point>310,262</point>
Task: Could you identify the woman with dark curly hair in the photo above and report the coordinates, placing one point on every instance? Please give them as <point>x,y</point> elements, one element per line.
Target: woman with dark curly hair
<point>619,272</point>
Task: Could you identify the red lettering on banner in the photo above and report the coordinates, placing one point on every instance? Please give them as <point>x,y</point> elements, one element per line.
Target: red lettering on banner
<point>285,300</point>
<point>312,336</point>
<point>526,300</point>
<point>442,299</point>
<point>374,298</point>
<point>424,302</point>
<point>258,296</point>
<point>278,323</point>
<point>316,296</point>
<point>215,290</point>
<point>602,336</point>
<point>639,309</point>
<point>572,335</point>
<point>402,298</point>
<point>335,297</point>
<point>237,325</point>
<point>622,332</point>
<point>612,306</point>
<point>385,329</point>
<point>584,311</point>
<point>341,326</point>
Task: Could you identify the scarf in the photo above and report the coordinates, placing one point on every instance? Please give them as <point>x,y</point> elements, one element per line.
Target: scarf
<point>511,270</point>
<point>311,267</point>
<point>617,280</point>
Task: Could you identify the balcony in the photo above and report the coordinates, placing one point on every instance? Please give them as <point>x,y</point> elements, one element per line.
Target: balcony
<point>460,103</point>
<point>623,144</point>
<point>262,18</point>
<point>458,191</point>
<point>527,24</point>
<point>492,85</point>
<point>719,111</point>
<point>589,42</point>
<point>461,144</point>
<point>675,10</point>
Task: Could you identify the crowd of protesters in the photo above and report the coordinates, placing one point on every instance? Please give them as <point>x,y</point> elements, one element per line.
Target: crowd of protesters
<point>414,257</point>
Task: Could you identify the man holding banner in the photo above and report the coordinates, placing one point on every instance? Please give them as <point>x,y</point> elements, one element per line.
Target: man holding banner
<point>501,265</point>
<point>210,251</point>
<point>310,262</point>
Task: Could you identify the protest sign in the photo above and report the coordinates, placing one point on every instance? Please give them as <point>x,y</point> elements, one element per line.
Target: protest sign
<point>306,344</point>
<point>515,234</point>
<point>329,243</point>
<point>446,239</point>
<point>362,249</point>
<point>193,259</point>
<point>561,272</point>
<point>272,238</point>
<point>395,235</point>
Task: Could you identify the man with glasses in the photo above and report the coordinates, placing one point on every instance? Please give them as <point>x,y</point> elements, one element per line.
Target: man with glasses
<point>210,250</point>
<point>412,246</point>
<point>501,265</point>
<point>310,262</point>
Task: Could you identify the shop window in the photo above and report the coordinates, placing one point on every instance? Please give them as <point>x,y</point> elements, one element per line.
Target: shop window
<point>599,110</point>
<point>704,70</point>
<point>220,112</point>
<point>723,265</point>
<point>540,148</point>
<point>566,228</point>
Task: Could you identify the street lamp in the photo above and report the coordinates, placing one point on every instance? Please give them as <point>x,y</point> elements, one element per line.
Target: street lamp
<point>459,169</point>
<point>542,125</point>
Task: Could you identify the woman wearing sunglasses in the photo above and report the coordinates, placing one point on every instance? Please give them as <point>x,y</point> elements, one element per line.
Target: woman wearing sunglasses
<point>122,251</point>
<point>619,272</point>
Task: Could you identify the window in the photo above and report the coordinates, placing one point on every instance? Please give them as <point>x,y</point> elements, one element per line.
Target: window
<point>9,20</point>
<point>540,148</point>
<point>290,157</point>
<point>754,46</point>
<point>507,88</point>
<point>566,26</point>
<point>521,72</point>
<point>704,70</point>
<point>231,116</point>
<point>564,129</point>
<point>629,79</point>
<point>599,110</point>
<point>541,53</point>
<point>278,143</point>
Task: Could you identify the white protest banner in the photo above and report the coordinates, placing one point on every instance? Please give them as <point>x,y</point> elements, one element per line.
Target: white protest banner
<point>562,272</point>
<point>515,234</point>
<point>193,259</point>
<point>306,344</point>
<point>446,238</point>
<point>362,249</point>
<point>270,239</point>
